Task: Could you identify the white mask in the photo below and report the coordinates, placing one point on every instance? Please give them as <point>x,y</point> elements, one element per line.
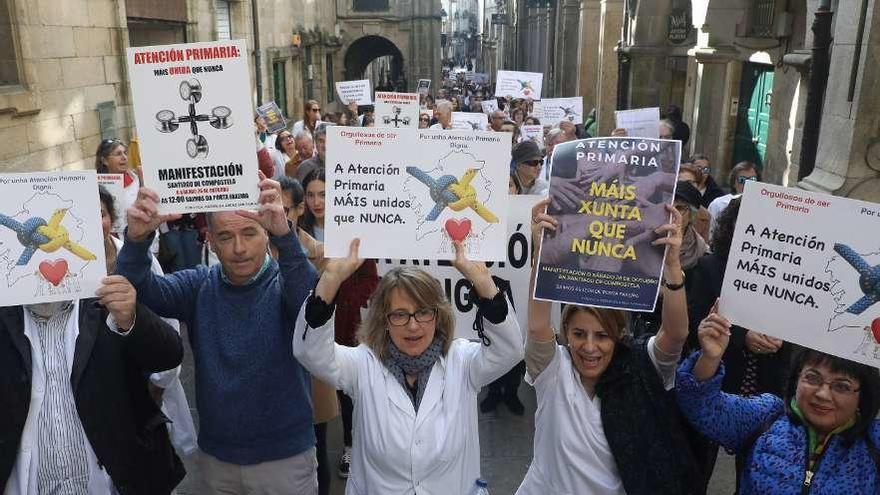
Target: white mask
<point>48,310</point>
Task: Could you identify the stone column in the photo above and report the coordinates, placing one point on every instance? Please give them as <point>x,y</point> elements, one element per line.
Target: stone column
<point>588,53</point>
<point>566,48</point>
<point>848,158</point>
<point>611,22</point>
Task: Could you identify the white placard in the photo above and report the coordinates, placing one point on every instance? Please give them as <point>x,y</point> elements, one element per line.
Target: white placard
<point>515,269</point>
<point>489,106</point>
<point>59,216</point>
<point>379,186</point>
<point>192,107</point>
<point>477,77</point>
<point>795,268</point>
<point>533,133</point>
<point>555,110</point>
<point>469,121</point>
<point>115,185</point>
<point>357,91</point>
<point>515,84</point>
<point>641,122</point>
<point>424,86</point>
<point>397,109</point>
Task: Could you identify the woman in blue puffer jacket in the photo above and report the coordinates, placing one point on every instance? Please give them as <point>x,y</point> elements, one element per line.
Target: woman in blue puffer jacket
<point>819,439</point>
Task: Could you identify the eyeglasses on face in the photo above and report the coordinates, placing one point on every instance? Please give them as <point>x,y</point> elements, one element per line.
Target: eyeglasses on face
<point>315,109</point>
<point>742,179</point>
<point>534,163</point>
<point>400,318</point>
<point>837,387</point>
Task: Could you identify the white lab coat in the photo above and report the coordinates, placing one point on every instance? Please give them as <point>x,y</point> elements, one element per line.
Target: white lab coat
<point>395,450</point>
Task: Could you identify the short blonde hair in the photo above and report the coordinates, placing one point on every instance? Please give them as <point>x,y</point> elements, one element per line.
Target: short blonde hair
<point>424,290</point>
<point>612,321</point>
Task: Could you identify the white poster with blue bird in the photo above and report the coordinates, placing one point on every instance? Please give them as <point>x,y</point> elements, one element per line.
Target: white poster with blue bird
<point>51,239</point>
<point>410,193</point>
<point>805,267</point>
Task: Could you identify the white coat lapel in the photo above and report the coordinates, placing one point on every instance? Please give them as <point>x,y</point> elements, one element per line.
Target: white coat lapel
<point>397,394</point>
<point>433,391</point>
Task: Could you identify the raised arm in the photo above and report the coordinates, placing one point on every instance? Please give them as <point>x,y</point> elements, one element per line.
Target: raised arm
<point>673,331</point>
<point>171,296</point>
<point>541,345</point>
<point>725,418</point>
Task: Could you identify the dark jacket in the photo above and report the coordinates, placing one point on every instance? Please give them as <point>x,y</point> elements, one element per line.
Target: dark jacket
<point>643,425</point>
<point>713,192</point>
<point>124,426</point>
<point>706,280</point>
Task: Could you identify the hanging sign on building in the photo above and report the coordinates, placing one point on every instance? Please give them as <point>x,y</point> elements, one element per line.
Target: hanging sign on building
<point>679,26</point>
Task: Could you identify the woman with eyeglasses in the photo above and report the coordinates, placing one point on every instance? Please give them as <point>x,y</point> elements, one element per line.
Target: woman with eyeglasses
<point>414,385</point>
<point>819,436</point>
<point>754,363</point>
<point>707,186</point>
<point>741,173</point>
<point>311,117</point>
<point>607,422</point>
<point>424,120</point>
<point>111,157</point>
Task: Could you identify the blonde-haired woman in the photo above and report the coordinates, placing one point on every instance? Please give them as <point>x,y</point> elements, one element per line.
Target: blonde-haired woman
<point>607,421</point>
<point>414,384</point>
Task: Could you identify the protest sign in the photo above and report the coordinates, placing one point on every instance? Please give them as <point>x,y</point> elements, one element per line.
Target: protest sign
<point>115,185</point>
<point>51,241</point>
<point>424,86</point>
<point>192,107</point>
<point>515,84</point>
<point>477,77</point>
<point>641,122</point>
<point>533,133</point>
<point>804,267</point>
<point>273,117</point>
<point>407,193</point>
<point>555,110</point>
<point>516,269</point>
<point>609,194</point>
<point>468,121</point>
<point>357,91</point>
<point>489,106</point>
<point>396,109</point>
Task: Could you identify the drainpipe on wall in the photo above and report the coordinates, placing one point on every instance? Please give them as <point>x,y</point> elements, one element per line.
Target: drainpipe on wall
<point>258,66</point>
<point>821,60</point>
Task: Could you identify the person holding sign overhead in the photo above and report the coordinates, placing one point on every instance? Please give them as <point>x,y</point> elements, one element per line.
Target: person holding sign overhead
<point>413,384</point>
<point>820,437</point>
<point>606,420</point>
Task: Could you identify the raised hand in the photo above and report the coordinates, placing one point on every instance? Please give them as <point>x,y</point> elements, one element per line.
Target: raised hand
<point>714,334</point>
<point>270,214</point>
<point>759,343</point>
<point>475,271</point>
<point>541,220</point>
<point>671,239</point>
<point>143,216</point>
<point>337,271</point>
<point>119,297</point>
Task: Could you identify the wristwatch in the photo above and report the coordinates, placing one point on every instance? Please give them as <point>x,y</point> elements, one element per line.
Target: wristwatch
<point>674,286</point>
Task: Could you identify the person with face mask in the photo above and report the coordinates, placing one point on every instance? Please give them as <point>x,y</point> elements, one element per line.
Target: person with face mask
<point>413,384</point>
<point>606,420</point>
<point>255,415</point>
<point>75,412</point>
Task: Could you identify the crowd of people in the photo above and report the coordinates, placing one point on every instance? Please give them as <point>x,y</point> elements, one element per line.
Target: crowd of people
<point>637,403</point>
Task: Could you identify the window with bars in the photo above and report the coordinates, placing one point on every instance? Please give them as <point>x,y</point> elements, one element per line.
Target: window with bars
<point>761,18</point>
<point>308,74</point>
<point>8,62</point>
<point>279,85</point>
<point>370,5</point>
<point>223,19</point>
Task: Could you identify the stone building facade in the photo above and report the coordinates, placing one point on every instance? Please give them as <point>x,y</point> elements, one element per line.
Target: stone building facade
<point>63,81</point>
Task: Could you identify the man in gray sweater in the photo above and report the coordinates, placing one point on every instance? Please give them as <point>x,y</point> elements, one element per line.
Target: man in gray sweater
<point>253,396</point>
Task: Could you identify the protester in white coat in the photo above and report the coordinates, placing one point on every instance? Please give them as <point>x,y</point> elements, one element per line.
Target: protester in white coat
<point>413,384</point>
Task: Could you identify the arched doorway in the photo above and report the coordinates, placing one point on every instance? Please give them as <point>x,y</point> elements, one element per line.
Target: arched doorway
<point>378,59</point>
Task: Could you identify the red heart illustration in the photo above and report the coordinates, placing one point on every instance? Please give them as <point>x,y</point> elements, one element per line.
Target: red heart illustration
<point>457,229</point>
<point>54,271</point>
<point>875,329</point>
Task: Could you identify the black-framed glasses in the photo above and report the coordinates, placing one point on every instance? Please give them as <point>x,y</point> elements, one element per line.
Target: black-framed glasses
<point>316,109</point>
<point>534,163</point>
<point>742,179</point>
<point>838,387</point>
<point>706,170</point>
<point>400,318</point>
